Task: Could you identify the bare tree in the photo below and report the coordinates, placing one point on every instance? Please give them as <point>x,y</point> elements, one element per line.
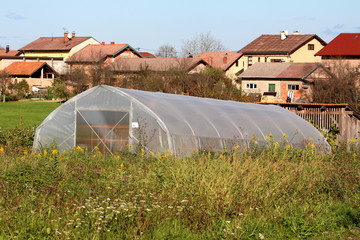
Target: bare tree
<point>203,42</point>
<point>78,79</point>
<point>166,51</point>
<point>343,87</point>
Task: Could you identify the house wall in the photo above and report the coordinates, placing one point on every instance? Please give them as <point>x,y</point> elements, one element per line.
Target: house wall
<point>305,55</point>
<point>352,63</point>
<point>43,82</point>
<point>81,46</point>
<point>233,71</point>
<point>281,89</point>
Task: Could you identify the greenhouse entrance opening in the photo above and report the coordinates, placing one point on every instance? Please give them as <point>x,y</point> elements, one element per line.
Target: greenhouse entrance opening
<point>107,131</point>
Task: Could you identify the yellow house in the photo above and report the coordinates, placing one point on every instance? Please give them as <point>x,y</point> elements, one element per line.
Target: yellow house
<point>282,47</point>
<point>56,46</point>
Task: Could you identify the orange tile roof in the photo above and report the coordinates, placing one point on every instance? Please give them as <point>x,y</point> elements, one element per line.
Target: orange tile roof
<point>23,68</point>
<point>222,60</point>
<point>53,43</point>
<point>10,53</point>
<point>155,64</point>
<point>147,55</point>
<point>272,44</point>
<point>96,52</point>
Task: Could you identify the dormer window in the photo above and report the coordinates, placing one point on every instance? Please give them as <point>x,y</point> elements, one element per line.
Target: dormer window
<point>311,47</point>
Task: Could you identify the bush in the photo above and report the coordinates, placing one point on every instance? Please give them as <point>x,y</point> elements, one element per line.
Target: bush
<point>18,139</point>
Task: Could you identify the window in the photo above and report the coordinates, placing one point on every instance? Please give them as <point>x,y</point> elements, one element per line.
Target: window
<point>259,59</point>
<point>265,59</point>
<point>271,87</point>
<point>311,47</point>
<point>293,86</point>
<point>250,61</point>
<point>251,86</point>
<point>237,63</point>
<point>275,60</point>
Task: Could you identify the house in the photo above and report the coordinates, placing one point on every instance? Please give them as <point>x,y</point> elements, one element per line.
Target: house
<point>56,46</point>
<point>282,47</point>
<point>344,47</point>
<point>283,82</point>
<point>9,53</point>
<point>229,62</point>
<point>133,65</point>
<point>128,67</point>
<point>55,50</point>
<point>36,74</point>
<point>94,54</point>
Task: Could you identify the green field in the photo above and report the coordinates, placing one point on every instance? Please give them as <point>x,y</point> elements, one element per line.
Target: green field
<point>26,113</point>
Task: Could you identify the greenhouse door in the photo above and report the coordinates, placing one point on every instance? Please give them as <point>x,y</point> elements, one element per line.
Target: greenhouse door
<point>106,130</point>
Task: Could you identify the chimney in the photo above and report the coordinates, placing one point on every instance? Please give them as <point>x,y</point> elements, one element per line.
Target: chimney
<point>102,43</point>
<point>7,49</point>
<point>225,58</point>
<point>73,34</point>
<point>283,35</point>
<point>112,43</point>
<point>66,36</point>
<point>296,33</point>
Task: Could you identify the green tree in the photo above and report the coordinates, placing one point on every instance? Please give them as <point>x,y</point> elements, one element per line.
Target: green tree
<point>5,80</point>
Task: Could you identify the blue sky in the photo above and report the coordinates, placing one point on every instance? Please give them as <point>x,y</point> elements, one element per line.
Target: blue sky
<point>148,24</point>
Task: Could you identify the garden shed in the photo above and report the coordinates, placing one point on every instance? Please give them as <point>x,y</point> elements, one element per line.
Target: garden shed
<point>112,118</point>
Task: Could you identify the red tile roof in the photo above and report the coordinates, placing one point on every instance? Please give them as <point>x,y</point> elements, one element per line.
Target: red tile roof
<point>24,68</point>
<point>280,70</point>
<point>10,53</point>
<point>147,55</point>
<point>222,60</point>
<point>96,52</point>
<point>155,64</point>
<point>54,43</point>
<point>345,44</point>
<point>272,44</point>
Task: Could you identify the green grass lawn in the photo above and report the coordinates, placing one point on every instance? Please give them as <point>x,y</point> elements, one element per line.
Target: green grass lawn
<point>28,113</point>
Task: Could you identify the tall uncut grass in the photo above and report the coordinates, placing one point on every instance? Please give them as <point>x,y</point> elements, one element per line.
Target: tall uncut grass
<point>274,193</point>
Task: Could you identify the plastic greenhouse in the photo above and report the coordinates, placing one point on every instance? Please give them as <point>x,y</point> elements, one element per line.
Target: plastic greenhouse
<point>111,118</point>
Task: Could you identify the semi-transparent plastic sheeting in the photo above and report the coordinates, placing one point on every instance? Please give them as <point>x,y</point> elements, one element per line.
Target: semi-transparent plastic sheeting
<point>110,119</point>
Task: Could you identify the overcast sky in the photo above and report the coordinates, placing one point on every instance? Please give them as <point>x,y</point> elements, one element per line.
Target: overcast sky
<point>148,24</point>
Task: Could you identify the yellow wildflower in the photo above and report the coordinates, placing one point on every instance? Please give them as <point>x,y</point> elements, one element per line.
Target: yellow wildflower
<point>54,151</point>
<point>122,166</point>
<point>2,150</point>
<point>78,148</point>
<point>45,152</point>
<point>285,136</point>
<point>236,147</point>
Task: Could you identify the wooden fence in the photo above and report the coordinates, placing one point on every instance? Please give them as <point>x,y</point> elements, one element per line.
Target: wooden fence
<point>326,116</point>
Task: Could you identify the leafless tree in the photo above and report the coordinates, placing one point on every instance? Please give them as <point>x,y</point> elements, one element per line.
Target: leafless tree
<point>166,51</point>
<point>78,79</point>
<point>203,42</point>
<point>343,87</point>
